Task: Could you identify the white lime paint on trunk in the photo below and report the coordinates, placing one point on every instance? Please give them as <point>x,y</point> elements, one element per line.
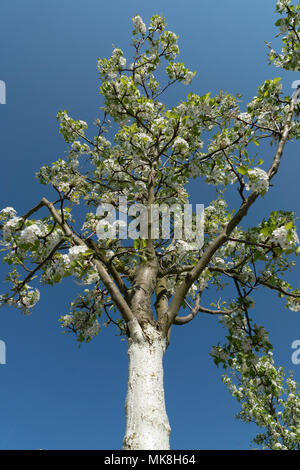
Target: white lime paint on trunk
<point>147,424</point>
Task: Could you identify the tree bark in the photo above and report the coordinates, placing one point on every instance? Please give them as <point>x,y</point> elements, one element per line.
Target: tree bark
<point>147,424</point>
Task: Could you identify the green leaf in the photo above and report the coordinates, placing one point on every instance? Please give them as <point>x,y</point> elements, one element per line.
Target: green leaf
<point>243,169</point>
<point>289,225</point>
<point>265,231</point>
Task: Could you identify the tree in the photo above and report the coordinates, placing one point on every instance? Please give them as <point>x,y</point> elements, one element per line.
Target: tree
<point>141,289</point>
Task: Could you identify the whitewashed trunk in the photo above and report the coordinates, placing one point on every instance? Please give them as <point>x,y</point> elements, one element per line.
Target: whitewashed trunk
<point>147,424</point>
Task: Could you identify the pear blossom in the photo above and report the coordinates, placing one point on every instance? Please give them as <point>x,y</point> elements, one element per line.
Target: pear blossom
<point>75,252</point>
<point>281,236</point>
<point>258,180</point>
<point>139,25</point>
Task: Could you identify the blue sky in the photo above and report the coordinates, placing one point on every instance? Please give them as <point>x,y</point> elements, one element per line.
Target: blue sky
<point>54,395</point>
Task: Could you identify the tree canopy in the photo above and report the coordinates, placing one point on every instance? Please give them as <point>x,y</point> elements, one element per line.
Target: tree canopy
<point>155,152</point>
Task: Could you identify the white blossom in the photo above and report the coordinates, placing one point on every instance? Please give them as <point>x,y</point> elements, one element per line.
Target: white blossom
<point>180,145</point>
<point>31,233</point>
<point>245,117</point>
<point>258,180</point>
<point>281,236</point>
<point>76,251</point>
<point>188,78</point>
<point>8,212</point>
<point>10,226</point>
<point>139,25</point>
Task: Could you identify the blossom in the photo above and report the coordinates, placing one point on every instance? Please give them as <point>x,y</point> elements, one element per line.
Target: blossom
<point>245,117</point>
<point>188,78</point>
<point>10,226</point>
<point>281,237</point>
<point>282,4</point>
<point>139,25</point>
<point>64,187</point>
<point>143,140</point>
<point>76,251</point>
<point>180,145</point>
<point>83,323</point>
<point>117,57</point>
<point>31,233</point>
<point>92,278</point>
<point>8,212</point>
<point>293,304</point>
<point>76,145</point>
<point>29,297</point>
<point>258,180</point>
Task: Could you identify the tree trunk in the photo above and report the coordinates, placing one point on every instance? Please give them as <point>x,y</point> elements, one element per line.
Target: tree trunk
<point>147,424</point>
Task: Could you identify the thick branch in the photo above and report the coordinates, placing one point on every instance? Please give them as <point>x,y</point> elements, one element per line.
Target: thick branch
<point>104,276</point>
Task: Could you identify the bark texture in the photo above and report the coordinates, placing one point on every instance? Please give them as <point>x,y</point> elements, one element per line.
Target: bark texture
<point>147,424</point>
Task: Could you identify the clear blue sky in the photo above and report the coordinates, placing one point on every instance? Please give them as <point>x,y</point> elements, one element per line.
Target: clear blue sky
<point>54,395</point>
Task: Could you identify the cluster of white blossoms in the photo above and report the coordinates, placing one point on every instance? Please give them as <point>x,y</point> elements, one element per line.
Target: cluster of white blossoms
<point>63,265</point>
<point>56,269</point>
<point>90,223</point>
<point>261,393</point>
<point>169,44</point>
<point>257,384</point>
<point>28,297</point>
<point>285,238</point>
<point>293,303</point>
<point>139,25</point>
<point>158,124</point>
<point>117,56</point>
<point>180,145</point>
<point>76,251</point>
<point>83,316</point>
<point>282,4</point>
<point>70,128</point>
<point>10,226</point>
<point>91,278</point>
<point>32,232</point>
<point>147,110</point>
<point>265,108</point>
<point>188,78</point>
<point>247,275</point>
<point>110,68</point>
<point>8,212</point>
<point>142,140</point>
<point>246,117</point>
<point>178,71</point>
<point>77,146</point>
<point>258,180</point>
<point>63,176</point>
<point>82,323</point>
<point>219,173</point>
<point>215,216</point>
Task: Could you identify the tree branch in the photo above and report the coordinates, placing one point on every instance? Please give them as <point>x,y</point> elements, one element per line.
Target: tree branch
<point>235,220</point>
